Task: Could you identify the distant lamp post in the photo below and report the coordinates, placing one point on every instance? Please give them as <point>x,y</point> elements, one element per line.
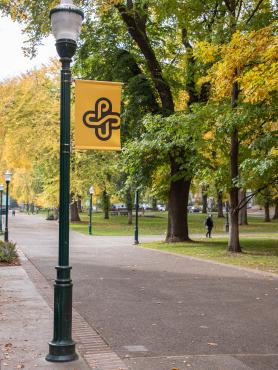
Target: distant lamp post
<point>136,231</point>
<point>227,217</point>
<point>91,190</point>
<point>8,176</point>
<point>1,208</point>
<point>66,21</point>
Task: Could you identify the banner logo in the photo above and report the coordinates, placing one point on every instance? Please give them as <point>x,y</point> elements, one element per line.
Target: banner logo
<point>103,120</point>
<point>97,115</point>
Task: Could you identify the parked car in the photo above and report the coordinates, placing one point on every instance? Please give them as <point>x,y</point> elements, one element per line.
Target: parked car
<point>145,206</point>
<point>161,208</point>
<point>118,206</point>
<point>195,209</point>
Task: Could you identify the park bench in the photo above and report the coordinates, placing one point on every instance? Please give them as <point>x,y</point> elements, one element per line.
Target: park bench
<point>119,212</point>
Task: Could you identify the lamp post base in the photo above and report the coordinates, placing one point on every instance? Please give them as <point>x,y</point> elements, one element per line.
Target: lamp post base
<point>61,352</point>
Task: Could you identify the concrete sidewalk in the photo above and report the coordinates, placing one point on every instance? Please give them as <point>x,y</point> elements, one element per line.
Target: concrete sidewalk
<point>25,325</point>
<point>157,311</point>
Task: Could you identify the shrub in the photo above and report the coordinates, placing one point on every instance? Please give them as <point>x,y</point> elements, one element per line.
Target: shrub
<point>7,251</point>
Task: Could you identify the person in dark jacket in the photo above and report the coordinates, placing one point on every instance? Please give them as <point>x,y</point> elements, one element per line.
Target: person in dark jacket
<point>209,226</point>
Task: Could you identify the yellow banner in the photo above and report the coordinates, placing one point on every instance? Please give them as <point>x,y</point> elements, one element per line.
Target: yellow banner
<point>97,115</point>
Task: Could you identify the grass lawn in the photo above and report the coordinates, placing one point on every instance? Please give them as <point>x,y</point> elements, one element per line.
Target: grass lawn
<point>258,253</point>
<point>117,225</point>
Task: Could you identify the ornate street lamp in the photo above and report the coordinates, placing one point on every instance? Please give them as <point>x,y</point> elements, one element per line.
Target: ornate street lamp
<point>7,176</point>
<point>66,21</point>
<point>136,241</point>
<point>91,190</point>
<point>1,208</point>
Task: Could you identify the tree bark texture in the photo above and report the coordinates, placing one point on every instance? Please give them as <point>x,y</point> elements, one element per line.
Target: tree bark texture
<point>275,216</point>
<point>220,213</point>
<point>105,204</point>
<point>129,207</point>
<point>79,203</point>
<point>233,244</point>
<point>177,212</point>
<point>74,213</point>
<point>204,199</point>
<point>266,212</point>
<point>243,210</point>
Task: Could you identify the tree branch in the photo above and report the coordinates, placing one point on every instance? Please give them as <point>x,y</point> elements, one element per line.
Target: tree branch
<point>136,26</point>
<point>239,9</point>
<point>254,11</point>
<point>246,199</point>
<point>210,24</point>
<point>228,5</point>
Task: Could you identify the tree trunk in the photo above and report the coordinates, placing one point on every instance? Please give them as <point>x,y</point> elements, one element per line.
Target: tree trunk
<point>266,212</point>
<point>179,189</point>
<point>74,214</point>
<point>233,244</point>
<point>79,203</point>
<point>105,204</point>
<point>154,203</point>
<point>275,216</point>
<point>204,199</point>
<point>56,213</point>
<point>220,213</point>
<point>136,26</point>
<point>243,210</point>
<point>177,214</point>
<point>129,207</point>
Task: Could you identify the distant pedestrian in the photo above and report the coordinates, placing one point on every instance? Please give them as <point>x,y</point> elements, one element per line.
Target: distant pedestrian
<point>209,226</point>
<point>13,212</point>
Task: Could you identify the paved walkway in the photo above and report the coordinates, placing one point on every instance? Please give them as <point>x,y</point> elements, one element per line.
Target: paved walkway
<point>25,325</point>
<point>159,311</point>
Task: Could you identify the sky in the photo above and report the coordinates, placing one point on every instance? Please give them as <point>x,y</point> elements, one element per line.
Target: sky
<point>12,60</point>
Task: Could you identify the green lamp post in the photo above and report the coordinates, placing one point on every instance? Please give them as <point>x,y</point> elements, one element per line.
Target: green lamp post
<point>91,190</point>
<point>7,176</point>
<point>1,208</point>
<point>66,21</point>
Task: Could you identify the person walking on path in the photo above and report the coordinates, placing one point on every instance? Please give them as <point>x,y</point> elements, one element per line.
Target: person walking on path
<point>209,226</point>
